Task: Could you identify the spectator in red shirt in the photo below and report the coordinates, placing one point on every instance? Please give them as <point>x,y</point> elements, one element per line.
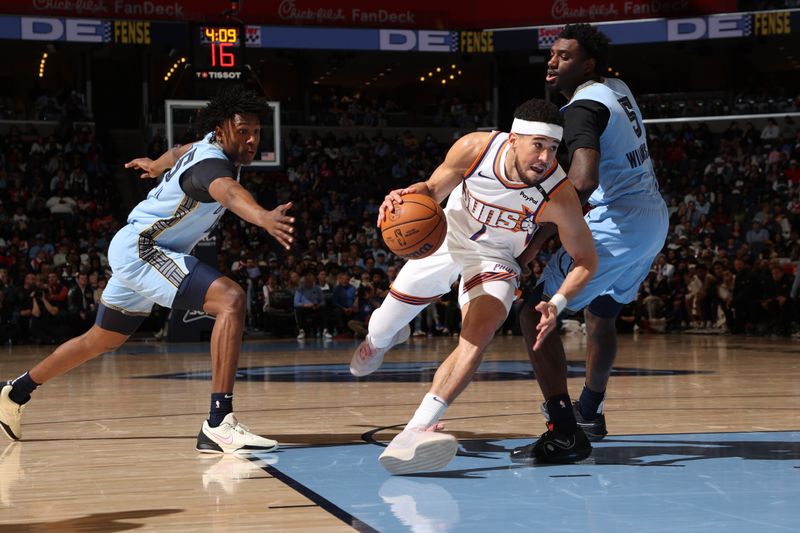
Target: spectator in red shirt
<point>57,291</point>
<point>792,172</point>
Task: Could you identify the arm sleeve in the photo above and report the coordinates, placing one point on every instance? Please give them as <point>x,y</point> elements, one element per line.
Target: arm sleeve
<point>585,121</point>
<point>195,180</point>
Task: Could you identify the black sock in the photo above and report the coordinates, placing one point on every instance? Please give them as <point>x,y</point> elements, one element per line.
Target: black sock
<point>21,389</point>
<point>559,408</point>
<point>221,405</point>
<point>589,402</point>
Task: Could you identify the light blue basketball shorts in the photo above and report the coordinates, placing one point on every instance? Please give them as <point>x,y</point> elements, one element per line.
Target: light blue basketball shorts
<point>628,237</point>
<point>144,273</point>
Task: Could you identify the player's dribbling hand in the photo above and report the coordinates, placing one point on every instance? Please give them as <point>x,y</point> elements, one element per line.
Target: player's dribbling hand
<point>394,197</point>
<point>547,322</point>
<point>278,224</point>
<point>146,164</point>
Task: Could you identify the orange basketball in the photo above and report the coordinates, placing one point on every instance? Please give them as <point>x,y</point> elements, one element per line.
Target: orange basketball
<point>417,227</point>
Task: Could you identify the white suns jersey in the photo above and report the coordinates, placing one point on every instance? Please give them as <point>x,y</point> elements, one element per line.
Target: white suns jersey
<point>168,217</point>
<point>492,216</point>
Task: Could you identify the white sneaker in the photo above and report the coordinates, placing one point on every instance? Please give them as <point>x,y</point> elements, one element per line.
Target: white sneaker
<point>326,335</point>
<point>301,335</point>
<point>421,505</point>
<point>231,469</point>
<point>11,472</point>
<point>231,437</point>
<point>10,414</point>
<point>416,450</point>
<point>367,358</point>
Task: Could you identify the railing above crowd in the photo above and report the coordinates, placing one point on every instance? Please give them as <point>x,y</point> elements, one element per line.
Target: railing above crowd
<point>676,105</point>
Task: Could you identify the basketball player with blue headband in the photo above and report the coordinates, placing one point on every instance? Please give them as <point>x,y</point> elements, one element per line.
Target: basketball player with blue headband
<point>499,187</point>
<point>151,263</point>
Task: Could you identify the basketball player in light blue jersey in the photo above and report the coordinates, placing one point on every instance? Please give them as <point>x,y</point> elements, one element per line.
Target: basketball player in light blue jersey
<point>151,264</point>
<point>610,167</point>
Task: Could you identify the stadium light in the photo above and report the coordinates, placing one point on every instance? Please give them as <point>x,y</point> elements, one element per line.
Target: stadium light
<point>174,68</point>
<point>42,64</point>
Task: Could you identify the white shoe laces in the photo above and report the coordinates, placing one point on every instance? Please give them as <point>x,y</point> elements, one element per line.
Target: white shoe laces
<point>241,428</point>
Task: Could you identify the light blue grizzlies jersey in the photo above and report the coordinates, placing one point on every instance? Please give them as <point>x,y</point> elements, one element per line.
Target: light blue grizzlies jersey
<point>626,170</point>
<point>168,217</point>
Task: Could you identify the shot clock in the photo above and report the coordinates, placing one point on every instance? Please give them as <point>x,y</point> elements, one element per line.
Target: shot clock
<point>218,52</point>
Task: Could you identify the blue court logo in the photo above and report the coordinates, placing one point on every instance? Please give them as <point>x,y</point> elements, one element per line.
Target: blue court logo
<point>407,372</point>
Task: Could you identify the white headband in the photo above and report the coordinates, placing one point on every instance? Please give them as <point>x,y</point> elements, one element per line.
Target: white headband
<point>528,127</point>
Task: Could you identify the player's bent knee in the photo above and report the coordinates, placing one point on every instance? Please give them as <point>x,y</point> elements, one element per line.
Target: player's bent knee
<point>225,296</point>
<point>479,334</point>
<point>235,298</point>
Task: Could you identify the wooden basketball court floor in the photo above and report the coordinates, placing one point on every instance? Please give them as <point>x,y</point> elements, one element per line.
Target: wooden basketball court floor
<point>704,436</point>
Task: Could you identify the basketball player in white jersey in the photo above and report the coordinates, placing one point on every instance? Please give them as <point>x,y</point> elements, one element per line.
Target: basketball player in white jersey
<point>610,167</point>
<point>500,187</point>
<point>150,261</point>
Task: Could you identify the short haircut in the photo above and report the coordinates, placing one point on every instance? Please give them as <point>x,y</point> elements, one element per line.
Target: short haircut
<point>229,102</point>
<point>536,110</point>
<point>593,41</point>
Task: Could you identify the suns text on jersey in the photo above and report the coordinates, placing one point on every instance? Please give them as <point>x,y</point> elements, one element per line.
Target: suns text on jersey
<point>496,216</point>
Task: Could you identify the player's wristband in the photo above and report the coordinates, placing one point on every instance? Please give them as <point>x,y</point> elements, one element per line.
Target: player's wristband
<point>560,301</point>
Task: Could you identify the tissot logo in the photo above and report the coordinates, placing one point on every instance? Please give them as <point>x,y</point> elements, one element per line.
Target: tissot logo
<point>216,75</point>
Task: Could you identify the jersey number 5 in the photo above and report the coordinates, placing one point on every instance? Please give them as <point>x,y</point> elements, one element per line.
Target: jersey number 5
<point>186,158</point>
<point>628,107</point>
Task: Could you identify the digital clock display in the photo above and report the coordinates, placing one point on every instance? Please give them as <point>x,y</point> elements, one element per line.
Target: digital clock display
<point>218,48</point>
<point>210,35</point>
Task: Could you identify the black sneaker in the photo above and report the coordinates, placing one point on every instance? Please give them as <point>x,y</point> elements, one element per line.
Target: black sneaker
<point>554,447</point>
<point>595,429</point>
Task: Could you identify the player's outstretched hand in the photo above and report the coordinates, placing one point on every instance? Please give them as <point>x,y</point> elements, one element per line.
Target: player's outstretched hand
<point>146,164</point>
<point>394,197</point>
<point>547,322</point>
<point>279,224</point>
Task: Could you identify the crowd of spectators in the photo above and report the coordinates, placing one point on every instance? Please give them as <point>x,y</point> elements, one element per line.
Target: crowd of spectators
<point>65,106</point>
<point>335,106</point>
<point>728,264</point>
<point>56,220</point>
<point>730,261</point>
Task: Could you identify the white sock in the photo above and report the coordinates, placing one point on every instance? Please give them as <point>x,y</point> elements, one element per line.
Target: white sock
<point>429,412</point>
